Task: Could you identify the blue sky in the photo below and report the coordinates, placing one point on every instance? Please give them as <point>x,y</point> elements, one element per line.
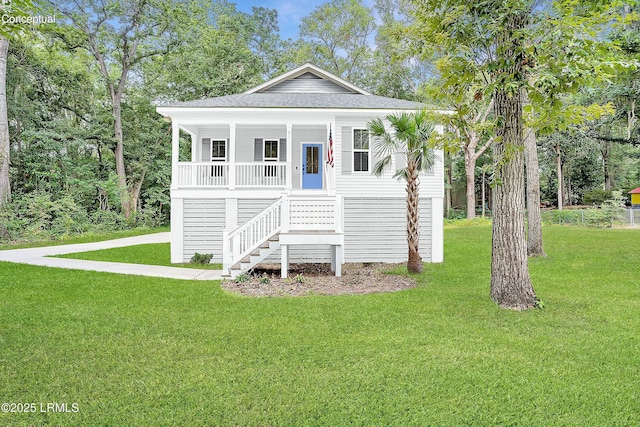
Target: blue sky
<point>290,12</point>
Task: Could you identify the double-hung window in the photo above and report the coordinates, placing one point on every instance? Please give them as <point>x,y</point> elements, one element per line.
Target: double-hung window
<point>361,151</point>
<point>218,154</point>
<point>270,155</point>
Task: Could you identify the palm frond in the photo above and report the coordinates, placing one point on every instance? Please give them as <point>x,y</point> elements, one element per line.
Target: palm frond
<point>410,136</point>
<point>381,165</point>
<point>401,174</point>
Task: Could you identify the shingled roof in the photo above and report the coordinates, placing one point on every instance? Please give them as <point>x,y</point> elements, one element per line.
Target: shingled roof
<point>304,87</point>
<point>302,100</point>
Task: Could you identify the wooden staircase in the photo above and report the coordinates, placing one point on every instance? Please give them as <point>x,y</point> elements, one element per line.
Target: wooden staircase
<point>289,221</point>
<point>252,241</point>
<point>255,257</point>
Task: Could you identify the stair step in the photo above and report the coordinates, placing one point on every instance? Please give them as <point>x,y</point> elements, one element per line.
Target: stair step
<point>267,248</point>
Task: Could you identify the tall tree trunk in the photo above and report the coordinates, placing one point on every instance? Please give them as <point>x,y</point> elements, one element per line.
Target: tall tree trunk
<point>559,173</point>
<point>470,173</point>
<point>511,285</point>
<point>449,181</point>
<point>606,151</point>
<point>5,185</point>
<point>534,218</point>
<point>414,262</point>
<point>484,199</point>
<point>125,196</point>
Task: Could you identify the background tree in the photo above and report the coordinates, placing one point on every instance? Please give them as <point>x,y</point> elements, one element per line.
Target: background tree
<point>565,55</point>
<point>119,35</point>
<point>222,51</point>
<point>535,246</point>
<point>8,30</point>
<point>409,137</point>
<point>394,72</point>
<point>5,185</point>
<point>336,37</point>
<point>468,128</point>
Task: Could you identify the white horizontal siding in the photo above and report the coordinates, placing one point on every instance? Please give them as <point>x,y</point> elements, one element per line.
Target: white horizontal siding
<point>301,254</point>
<point>357,184</point>
<point>214,133</point>
<point>246,135</point>
<point>248,208</point>
<point>375,229</point>
<point>307,83</point>
<point>426,229</point>
<point>204,221</point>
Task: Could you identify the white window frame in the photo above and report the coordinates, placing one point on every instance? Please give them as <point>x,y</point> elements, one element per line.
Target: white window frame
<point>264,150</point>
<point>270,171</point>
<point>361,150</point>
<point>218,159</point>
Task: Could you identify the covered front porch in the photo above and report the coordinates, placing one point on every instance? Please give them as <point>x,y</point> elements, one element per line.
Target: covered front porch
<point>239,156</point>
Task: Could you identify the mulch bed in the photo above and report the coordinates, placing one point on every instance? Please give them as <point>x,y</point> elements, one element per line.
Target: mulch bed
<point>318,279</point>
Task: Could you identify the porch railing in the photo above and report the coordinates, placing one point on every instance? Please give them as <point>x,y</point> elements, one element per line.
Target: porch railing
<point>304,213</point>
<point>226,175</point>
<point>287,214</point>
<point>203,174</point>
<point>240,242</point>
<point>267,174</point>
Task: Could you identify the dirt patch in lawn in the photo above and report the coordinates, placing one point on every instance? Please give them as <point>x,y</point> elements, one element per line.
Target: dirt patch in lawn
<point>318,279</point>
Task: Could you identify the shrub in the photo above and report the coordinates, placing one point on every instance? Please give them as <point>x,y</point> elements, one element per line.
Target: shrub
<point>107,221</point>
<point>264,279</point>
<point>201,258</point>
<point>243,277</point>
<point>36,216</point>
<point>596,197</point>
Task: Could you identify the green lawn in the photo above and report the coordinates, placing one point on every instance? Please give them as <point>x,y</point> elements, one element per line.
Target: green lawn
<point>151,254</point>
<point>146,351</point>
<point>86,238</point>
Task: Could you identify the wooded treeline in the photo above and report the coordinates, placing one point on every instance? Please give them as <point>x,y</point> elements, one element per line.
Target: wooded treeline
<point>88,151</point>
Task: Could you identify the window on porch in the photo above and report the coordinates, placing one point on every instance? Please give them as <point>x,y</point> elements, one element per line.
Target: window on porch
<point>218,154</point>
<point>270,155</point>
<point>360,150</point>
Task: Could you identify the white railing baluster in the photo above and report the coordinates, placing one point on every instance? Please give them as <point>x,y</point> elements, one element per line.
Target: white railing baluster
<point>251,235</point>
<point>217,174</point>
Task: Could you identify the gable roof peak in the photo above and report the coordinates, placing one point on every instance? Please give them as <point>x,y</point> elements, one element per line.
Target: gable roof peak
<point>307,69</point>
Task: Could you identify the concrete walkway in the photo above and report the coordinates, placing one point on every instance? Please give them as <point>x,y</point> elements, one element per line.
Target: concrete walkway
<point>39,256</point>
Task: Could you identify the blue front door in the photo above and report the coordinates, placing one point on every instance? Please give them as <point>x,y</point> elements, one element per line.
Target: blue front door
<point>312,166</point>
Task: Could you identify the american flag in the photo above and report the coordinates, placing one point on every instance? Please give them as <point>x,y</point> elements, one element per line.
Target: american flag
<point>330,151</point>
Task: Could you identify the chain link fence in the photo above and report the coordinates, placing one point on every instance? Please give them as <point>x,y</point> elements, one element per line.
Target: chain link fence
<point>594,217</point>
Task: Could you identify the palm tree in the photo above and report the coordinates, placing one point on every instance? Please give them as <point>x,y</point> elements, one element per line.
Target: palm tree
<point>408,137</point>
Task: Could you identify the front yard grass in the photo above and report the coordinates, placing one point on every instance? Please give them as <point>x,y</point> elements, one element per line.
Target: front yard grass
<point>85,238</point>
<point>150,254</point>
<point>147,351</point>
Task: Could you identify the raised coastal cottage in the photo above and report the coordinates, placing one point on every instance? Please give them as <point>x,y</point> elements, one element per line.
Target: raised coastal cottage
<point>260,184</point>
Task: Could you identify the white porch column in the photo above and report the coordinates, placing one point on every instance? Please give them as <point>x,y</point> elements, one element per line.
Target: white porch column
<point>177,230</point>
<point>336,259</point>
<point>284,261</point>
<point>232,156</point>
<point>195,149</point>
<point>175,152</point>
<point>289,155</point>
<point>284,212</point>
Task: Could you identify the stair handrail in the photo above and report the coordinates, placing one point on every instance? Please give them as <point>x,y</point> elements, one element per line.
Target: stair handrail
<point>247,237</point>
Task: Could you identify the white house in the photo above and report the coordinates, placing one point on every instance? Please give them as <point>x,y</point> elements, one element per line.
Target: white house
<point>259,186</point>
